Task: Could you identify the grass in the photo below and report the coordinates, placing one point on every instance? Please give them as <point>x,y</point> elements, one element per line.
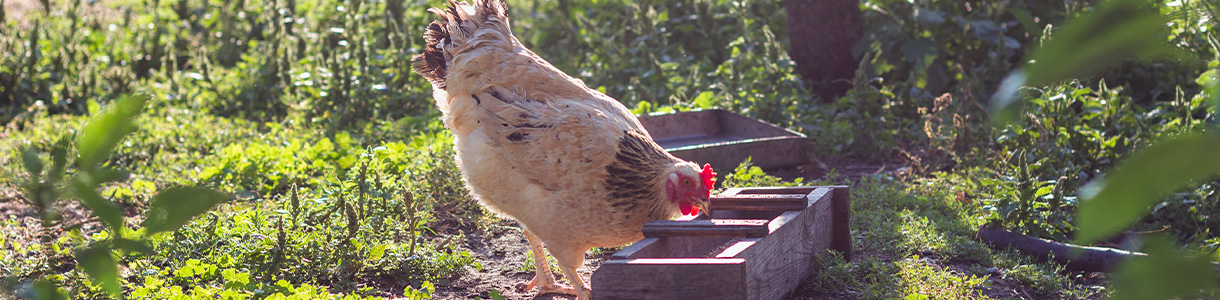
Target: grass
<point>340,207</point>
<point>344,184</point>
<point>915,241</point>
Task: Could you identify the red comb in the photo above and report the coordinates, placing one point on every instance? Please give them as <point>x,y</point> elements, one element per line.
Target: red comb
<point>709,178</point>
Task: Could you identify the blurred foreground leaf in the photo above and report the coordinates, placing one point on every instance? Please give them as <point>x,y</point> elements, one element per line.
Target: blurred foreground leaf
<point>105,130</point>
<point>104,209</point>
<point>46,290</point>
<point>173,207</point>
<point>137,246</point>
<point>33,165</point>
<point>1166,273</point>
<point>1116,31</point>
<point>101,266</point>
<point>1121,197</point>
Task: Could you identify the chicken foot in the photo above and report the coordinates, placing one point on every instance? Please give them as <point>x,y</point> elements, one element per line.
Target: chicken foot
<point>569,261</point>
<point>543,279</point>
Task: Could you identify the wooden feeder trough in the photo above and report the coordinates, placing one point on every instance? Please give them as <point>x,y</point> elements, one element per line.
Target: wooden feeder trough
<point>760,245</point>
<point>725,139</point>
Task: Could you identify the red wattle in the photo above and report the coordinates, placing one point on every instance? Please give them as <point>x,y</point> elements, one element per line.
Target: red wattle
<point>686,208</point>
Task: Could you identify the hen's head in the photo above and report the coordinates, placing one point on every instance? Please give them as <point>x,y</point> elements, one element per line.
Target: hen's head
<point>690,187</point>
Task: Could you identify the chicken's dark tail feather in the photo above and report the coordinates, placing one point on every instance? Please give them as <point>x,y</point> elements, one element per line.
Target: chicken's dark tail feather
<point>432,62</point>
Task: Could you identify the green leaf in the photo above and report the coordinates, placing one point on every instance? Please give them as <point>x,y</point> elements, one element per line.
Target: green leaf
<point>1166,273</point>
<point>140,246</point>
<point>105,130</point>
<point>377,252</point>
<point>173,207</point>
<point>104,209</point>
<point>705,100</point>
<point>1118,30</point>
<point>1027,21</point>
<point>106,175</point>
<point>1005,107</point>
<point>93,107</point>
<point>642,108</point>
<point>33,165</point>
<point>1122,197</point>
<point>59,158</point>
<point>46,290</point>
<point>920,52</point>
<point>495,295</point>
<point>101,266</point>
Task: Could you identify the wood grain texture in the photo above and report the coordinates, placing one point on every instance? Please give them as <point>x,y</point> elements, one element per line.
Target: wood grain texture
<point>715,227</point>
<point>673,247</point>
<point>772,264</point>
<point>690,278</point>
<point>777,263</point>
<point>725,139</point>
<point>642,248</point>
<point>759,202</point>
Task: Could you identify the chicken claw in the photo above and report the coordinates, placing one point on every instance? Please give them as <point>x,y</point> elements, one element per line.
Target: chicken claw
<point>547,287</point>
<point>543,279</point>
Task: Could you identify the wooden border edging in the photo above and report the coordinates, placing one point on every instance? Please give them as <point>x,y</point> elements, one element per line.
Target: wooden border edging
<point>760,245</point>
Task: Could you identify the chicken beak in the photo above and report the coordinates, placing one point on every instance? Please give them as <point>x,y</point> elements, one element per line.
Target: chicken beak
<point>704,205</point>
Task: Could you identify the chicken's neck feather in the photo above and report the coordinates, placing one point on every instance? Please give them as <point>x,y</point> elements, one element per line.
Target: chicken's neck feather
<point>637,177</point>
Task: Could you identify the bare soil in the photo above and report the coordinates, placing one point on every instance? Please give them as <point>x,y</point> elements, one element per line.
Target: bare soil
<point>503,256</point>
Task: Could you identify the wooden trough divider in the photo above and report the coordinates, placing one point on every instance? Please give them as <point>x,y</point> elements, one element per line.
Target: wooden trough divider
<point>760,245</point>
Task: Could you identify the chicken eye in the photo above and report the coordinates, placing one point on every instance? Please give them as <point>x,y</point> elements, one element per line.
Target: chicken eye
<point>686,181</point>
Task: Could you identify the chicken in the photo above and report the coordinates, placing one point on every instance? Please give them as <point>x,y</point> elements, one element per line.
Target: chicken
<point>573,166</point>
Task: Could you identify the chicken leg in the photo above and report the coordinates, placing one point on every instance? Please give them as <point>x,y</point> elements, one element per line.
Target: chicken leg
<point>570,259</point>
<point>543,279</point>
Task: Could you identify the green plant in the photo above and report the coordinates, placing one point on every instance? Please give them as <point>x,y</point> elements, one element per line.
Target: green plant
<point>1119,198</point>
<point>168,210</point>
<point>748,175</point>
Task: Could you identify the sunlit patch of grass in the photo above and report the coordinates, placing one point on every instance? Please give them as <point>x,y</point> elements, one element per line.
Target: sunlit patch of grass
<point>1042,277</point>
<point>908,235</point>
<point>920,278</point>
<point>867,277</point>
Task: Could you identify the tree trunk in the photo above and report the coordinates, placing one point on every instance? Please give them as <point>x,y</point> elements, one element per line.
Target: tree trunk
<point>821,35</point>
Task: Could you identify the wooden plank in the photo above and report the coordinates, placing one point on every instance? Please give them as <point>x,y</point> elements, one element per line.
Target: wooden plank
<point>759,202</point>
<point>736,248</point>
<point>747,214</point>
<point>669,266</point>
<point>781,260</point>
<point>715,227</point>
<point>637,249</point>
<point>725,139</point>
<point>708,278</point>
<point>766,152</point>
<point>777,190</point>
<point>781,220</point>
<point>674,247</point>
<point>841,226</point>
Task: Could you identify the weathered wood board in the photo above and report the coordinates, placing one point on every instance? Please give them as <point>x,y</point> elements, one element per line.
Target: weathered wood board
<point>758,246</point>
<point>725,138</point>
